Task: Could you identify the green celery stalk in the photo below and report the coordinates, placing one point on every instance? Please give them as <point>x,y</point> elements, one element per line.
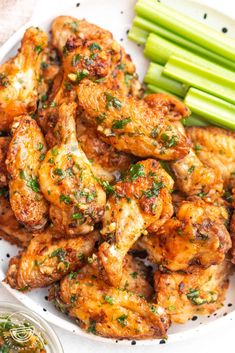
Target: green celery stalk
<point>212,109</point>
<point>196,76</point>
<point>185,43</point>
<point>156,89</point>
<point>155,77</point>
<point>159,50</point>
<point>187,27</point>
<point>138,35</point>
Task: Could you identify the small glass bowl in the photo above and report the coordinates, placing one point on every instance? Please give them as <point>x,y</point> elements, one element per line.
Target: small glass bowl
<point>20,314</point>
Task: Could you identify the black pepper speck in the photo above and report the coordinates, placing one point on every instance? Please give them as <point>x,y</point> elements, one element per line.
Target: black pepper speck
<point>46,297</point>
<point>44,309</point>
<point>121,39</point>
<point>205,16</point>
<point>78,4</point>
<point>162,342</point>
<point>224,314</point>
<point>194,318</point>
<point>133,343</point>
<point>215,314</point>
<point>122,12</point>
<point>8,255</point>
<point>116,341</point>
<point>224,30</point>
<point>230,304</point>
<point>127,31</point>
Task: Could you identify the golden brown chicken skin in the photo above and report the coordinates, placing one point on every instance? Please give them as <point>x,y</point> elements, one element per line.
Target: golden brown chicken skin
<point>197,237</point>
<point>108,311</point>
<point>196,179</point>
<point>90,51</point>
<point>136,203</point>
<point>4,143</point>
<point>10,229</point>
<point>76,198</point>
<point>47,260</point>
<point>25,154</point>
<point>129,124</point>
<point>19,78</point>
<point>186,295</point>
<point>215,147</point>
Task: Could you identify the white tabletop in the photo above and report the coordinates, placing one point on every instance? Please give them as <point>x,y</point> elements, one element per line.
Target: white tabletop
<point>217,341</point>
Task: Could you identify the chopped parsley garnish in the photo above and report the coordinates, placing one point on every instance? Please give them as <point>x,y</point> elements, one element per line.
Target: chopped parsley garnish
<point>92,327</point>
<point>33,184</point>
<point>94,46</point>
<point>42,157</point>
<point>77,216</point>
<point>40,146</point>
<point>44,65</point>
<point>193,296</point>
<point>68,86</point>
<point>59,253</point>
<point>134,275</point>
<point>4,80</point>
<point>38,49</point>
<point>122,320</point>
<point>191,169</point>
<point>66,199</point>
<point>121,66</point>
<point>154,191</point>
<point>169,141</point>
<point>72,275</point>
<point>228,196</point>
<point>73,299</point>
<point>54,151</point>
<point>197,148</point>
<point>108,299</point>
<point>74,26</point>
<point>109,189</point>
<point>119,124</point>
<point>22,174</point>
<point>112,101</point>
<point>136,171</point>
<point>59,172</point>
<point>127,78</point>
<point>4,192</point>
<point>81,75</point>
<point>100,118</point>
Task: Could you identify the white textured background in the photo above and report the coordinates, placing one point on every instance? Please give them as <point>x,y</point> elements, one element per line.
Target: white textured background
<point>13,14</point>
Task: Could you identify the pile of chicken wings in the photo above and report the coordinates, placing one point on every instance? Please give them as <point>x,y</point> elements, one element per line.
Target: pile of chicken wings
<point>123,212</point>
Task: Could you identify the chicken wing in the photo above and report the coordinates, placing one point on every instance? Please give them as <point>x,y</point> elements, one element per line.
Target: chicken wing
<point>197,237</point>
<point>186,295</point>
<point>90,51</point>
<point>46,260</point>
<point>196,179</point>
<point>108,311</point>
<point>136,203</point>
<point>25,154</point>
<point>19,78</point>
<point>10,229</point>
<point>4,143</point>
<point>67,182</point>
<point>215,147</point>
<point>129,124</point>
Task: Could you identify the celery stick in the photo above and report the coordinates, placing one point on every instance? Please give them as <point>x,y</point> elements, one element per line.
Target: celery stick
<point>186,27</point>
<point>138,35</point>
<point>155,77</point>
<point>194,120</point>
<point>185,43</point>
<point>212,109</point>
<point>156,89</point>
<point>159,50</point>
<point>196,76</point>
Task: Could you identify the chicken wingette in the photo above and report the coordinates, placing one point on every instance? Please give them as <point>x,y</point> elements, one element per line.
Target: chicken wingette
<point>215,147</point>
<point>139,201</point>
<point>197,237</point>
<point>185,295</point>
<point>25,154</point>
<point>19,78</point>
<point>47,260</point>
<point>130,125</point>
<point>10,229</point>
<point>76,198</point>
<point>108,311</point>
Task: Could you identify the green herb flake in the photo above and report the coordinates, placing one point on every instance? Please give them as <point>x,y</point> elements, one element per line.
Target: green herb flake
<point>122,320</point>
<point>108,299</point>
<point>154,191</point>
<point>40,146</point>
<point>59,172</point>
<point>100,118</point>
<point>197,148</point>
<point>136,171</point>
<point>154,132</point>
<point>169,141</point>
<point>54,151</point>
<point>77,216</point>
<point>109,189</point>
<point>42,157</point>
<point>191,169</point>
<point>22,174</point>
<point>120,124</point>
<point>4,81</point>
<point>59,253</point>
<point>112,101</point>
<point>38,49</point>
<point>134,275</point>
<point>66,199</point>
<point>94,46</point>
<point>92,327</point>
<point>33,184</point>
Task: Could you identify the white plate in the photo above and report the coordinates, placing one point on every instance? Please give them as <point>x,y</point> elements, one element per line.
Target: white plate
<point>116,16</point>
